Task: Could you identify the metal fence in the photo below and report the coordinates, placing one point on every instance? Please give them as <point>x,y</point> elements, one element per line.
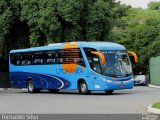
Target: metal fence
<point>155,70</point>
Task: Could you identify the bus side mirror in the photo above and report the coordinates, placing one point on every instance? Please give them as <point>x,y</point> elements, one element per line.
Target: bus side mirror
<point>100,55</point>
<point>134,56</point>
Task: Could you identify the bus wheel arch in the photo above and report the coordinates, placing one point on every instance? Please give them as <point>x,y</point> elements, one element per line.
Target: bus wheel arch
<point>83,87</point>
<point>27,81</point>
<point>30,86</point>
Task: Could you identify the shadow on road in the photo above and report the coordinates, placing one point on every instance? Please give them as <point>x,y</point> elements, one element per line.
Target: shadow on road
<point>101,93</point>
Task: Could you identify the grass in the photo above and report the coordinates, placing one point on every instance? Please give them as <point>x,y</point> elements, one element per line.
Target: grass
<point>156,105</point>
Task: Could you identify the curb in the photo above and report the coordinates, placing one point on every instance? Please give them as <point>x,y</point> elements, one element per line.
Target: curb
<point>24,89</point>
<point>154,86</point>
<point>153,110</point>
<point>4,88</point>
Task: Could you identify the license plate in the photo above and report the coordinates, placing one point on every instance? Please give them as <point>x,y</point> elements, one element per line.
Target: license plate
<point>122,86</point>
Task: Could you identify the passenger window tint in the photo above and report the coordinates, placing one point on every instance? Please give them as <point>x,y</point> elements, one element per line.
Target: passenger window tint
<point>70,56</point>
<point>64,56</point>
<point>38,58</point>
<point>15,59</point>
<point>50,57</point>
<point>27,59</point>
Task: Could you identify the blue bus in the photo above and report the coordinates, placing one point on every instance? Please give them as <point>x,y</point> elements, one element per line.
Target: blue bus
<point>83,66</point>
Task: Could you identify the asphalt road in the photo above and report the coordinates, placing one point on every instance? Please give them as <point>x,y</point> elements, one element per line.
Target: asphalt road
<point>134,101</point>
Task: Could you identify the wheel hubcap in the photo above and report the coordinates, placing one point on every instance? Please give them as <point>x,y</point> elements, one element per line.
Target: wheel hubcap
<point>30,86</point>
<point>83,87</point>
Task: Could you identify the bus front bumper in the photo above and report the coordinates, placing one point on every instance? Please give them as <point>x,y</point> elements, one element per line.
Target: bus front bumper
<point>114,85</point>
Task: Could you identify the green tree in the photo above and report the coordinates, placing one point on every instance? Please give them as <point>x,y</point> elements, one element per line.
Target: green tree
<point>26,23</point>
<point>99,21</point>
<point>120,25</point>
<point>51,21</point>
<point>140,32</point>
<point>67,20</point>
<point>9,12</point>
<point>154,6</point>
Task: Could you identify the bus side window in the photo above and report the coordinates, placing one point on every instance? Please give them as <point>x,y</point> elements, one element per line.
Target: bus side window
<point>50,57</point>
<point>38,58</point>
<point>15,59</point>
<point>27,59</point>
<point>71,56</point>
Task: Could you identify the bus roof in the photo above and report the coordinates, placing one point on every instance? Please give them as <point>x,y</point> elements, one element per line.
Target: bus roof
<point>95,45</point>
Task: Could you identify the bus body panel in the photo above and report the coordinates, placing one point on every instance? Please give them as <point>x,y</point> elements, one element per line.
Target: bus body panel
<point>44,76</point>
<point>53,76</point>
<point>47,77</point>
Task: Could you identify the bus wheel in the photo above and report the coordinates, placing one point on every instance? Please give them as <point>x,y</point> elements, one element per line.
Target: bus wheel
<point>83,89</point>
<point>53,90</point>
<point>31,88</point>
<point>109,92</point>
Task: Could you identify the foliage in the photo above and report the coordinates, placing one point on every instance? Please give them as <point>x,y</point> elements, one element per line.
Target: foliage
<point>154,6</point>
<point>99,21</point>
<point>140,33</point>
<point>156,105</point>
<point>27,23</point>
<point>66,20</point>
<point>6,17</point>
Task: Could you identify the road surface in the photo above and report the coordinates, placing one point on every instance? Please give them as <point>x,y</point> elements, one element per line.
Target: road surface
<point>134,101</point>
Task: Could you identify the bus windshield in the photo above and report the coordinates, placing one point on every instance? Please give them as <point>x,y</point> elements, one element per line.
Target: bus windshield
<point>117,64</point>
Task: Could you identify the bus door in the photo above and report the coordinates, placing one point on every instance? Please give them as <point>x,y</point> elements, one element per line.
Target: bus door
<point>94,63</point>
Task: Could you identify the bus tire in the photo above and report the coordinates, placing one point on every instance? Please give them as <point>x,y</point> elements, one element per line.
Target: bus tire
<point>109,92</point>
<point>53,90</point>
<point>30,87</point>
<point>83,89</point>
